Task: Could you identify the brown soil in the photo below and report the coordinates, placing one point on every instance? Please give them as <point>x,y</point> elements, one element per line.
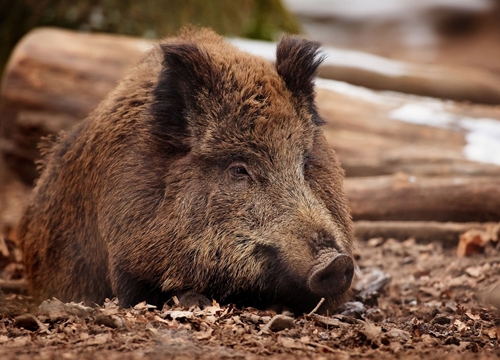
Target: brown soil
<point>415,301</point>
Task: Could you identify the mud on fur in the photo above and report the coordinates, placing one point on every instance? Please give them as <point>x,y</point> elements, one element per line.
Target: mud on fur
<point>205,174</point>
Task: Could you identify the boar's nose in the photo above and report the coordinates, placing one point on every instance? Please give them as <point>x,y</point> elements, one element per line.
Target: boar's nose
<point>332,277</point>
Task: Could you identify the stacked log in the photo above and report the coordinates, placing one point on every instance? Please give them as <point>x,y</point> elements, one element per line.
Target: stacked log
<point>407,157</point>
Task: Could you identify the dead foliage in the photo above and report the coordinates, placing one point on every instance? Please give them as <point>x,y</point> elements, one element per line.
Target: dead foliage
<point>413,301</point>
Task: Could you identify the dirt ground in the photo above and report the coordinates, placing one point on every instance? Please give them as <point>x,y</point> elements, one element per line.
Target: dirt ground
<point>414,301</point>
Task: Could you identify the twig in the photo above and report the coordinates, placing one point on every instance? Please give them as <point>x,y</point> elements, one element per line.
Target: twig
<point>317,307</point>
<point>326,347</point>
<point>40,324</point>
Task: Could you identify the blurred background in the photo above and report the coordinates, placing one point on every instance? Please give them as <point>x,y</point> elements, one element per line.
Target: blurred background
<point>457,32</point>
<point>151,19</point>
<point>463,32</point>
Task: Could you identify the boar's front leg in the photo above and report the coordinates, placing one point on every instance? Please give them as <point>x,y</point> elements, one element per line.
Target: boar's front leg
<point>130,290</point>
<point>192,298</point>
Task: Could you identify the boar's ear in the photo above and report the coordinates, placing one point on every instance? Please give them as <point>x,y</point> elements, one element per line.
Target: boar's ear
<point>187,71</point>
<point>297,62</point>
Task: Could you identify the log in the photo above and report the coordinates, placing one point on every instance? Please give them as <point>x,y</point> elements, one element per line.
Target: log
<point>403,197</point>
<point>381,133</point>
<point>422,231</point>
<point>55,78</point>
<point>13,286</point>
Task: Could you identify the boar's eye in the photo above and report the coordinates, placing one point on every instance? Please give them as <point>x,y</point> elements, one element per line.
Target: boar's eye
<point>239,171</point>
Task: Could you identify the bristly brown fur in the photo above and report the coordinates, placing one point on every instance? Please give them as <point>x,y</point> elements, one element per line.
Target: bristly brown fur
<point>204,172</point>
<point>297,62</point>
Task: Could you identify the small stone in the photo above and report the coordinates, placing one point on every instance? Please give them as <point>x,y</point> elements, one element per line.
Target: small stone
<point>371,280</point>
<point>352,308</point>
<point>26,321</point>
<point>279,322</point>
<point>54,309</point>
<point>323,335</point>
<point>375,315</point>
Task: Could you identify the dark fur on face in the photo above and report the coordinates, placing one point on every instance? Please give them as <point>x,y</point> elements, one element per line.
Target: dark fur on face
<point>206,170</point>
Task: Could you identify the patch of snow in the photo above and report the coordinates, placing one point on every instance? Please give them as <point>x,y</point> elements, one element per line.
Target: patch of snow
<point>481,134</point>
<point>483,140</point>
<point>429,114</point>
<point>364,61</point>
<point>334,57</point>
<point>266,49</point>
<point>354,91</point>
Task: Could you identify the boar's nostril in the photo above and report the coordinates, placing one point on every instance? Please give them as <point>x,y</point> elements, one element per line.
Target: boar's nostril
<point>332,278</point>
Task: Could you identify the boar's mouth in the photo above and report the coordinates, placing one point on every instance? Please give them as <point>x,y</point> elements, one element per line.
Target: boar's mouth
<point>330,278</point>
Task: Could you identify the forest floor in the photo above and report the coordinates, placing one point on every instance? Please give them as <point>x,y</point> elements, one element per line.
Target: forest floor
<point>415,301</point>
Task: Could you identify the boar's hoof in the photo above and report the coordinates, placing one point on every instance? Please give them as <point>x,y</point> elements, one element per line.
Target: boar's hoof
<point>332,277</point>
<point>192,298</point>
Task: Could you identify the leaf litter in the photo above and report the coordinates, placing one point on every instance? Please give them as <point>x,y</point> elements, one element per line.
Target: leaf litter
<point>412,301</point>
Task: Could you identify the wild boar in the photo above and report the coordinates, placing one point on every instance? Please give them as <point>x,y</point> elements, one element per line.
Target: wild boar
<point>204,173</point>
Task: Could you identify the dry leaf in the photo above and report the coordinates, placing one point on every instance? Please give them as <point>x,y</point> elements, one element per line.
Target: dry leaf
<point>291,343</point>
<point>371,331</point>
<point>204,335</point>
<point>473,241</point>
<point>474,271</point>
<point>461,327</point>
<point>99,339</point>
<point>473,316</point>
<point>493,333</point>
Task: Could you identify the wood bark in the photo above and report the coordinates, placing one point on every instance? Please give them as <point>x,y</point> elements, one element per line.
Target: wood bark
<point>53,80</point>
<point>14,286</point>
<point>403,197</point>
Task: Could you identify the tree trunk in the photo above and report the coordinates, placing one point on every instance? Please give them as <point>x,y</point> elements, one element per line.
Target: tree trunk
<point>413,198</point>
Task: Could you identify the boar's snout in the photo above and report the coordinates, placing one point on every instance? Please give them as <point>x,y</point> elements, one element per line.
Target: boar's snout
<point>332,277</point>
